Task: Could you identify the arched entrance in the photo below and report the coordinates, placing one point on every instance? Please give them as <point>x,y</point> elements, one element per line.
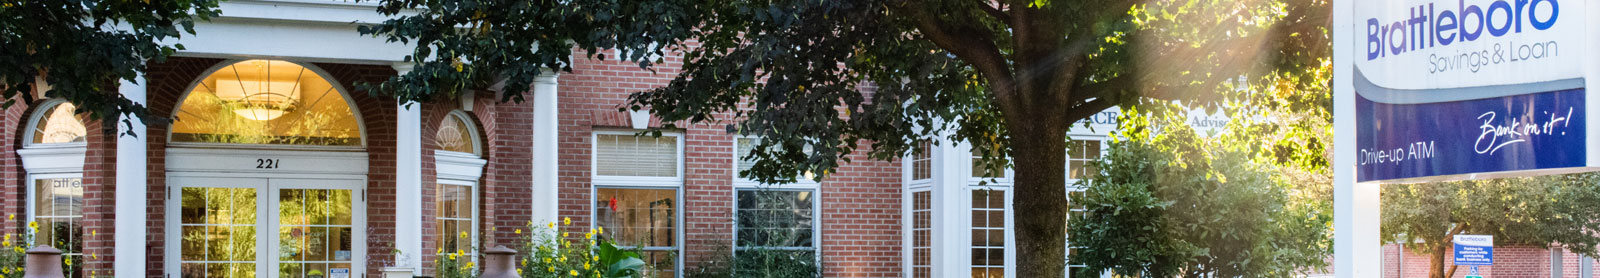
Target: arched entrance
<point>266,172</point>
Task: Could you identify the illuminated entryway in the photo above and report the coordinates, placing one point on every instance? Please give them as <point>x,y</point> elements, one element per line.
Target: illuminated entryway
<point>266,175</point>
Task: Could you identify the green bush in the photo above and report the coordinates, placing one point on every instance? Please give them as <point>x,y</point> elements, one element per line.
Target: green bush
<point>550,253</point>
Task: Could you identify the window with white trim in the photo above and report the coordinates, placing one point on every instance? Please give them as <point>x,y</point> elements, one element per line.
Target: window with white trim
<point>459,166</point>
<point>777,222</point>
<point>1079,153</point>
<point>922,161</point>
<point>742,147</point>
<point>922,234</point>
<point>989,233</point>
<point>636,195</point>
<point>53,154</point>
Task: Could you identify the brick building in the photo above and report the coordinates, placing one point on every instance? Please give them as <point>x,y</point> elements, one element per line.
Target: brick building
<point>1509,262</point>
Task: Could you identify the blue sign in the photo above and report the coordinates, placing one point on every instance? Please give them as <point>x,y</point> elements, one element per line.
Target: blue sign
<point>1474,250</point>
<point>1517,130</point>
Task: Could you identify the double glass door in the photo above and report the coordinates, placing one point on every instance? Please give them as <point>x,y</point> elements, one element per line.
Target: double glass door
<point>266,227</point>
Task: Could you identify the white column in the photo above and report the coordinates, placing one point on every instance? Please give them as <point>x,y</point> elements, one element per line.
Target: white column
<point>546,134</point>
<point>952,208</point>
<point>132,202</point>
<point>1356,249</point>
<point>408,179</point>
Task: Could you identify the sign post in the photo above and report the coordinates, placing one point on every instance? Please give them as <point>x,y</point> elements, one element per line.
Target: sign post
<point>1439,90</point>
<point>1474,251</point>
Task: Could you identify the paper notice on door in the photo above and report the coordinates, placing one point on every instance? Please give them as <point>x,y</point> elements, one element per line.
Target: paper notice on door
<point>339,273</point>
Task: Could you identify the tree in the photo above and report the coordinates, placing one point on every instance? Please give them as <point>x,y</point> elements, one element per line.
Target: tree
<point>816,79</point>
<point>77,50</point>
<point>1167,202</point>
<point>1537,211</point>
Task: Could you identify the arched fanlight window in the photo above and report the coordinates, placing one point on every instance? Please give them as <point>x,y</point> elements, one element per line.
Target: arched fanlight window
<point>52,156</point>
<point>57,123</point>
<point>457,134</point>
<point>267,102</point>
<point>459,165</point>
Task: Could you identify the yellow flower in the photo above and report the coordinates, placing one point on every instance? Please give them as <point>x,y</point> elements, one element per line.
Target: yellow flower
<point>546,260</point>
<point>441,250</point>
<point>524,261</point>
<point>552,224</point>
<point>585,266</point>
<point>67,261</point>
<point>600,230</point>
<point>550,269</point>
<point>566,221</point>
<point>597,257</point>
<point>18,249</point>
<point>452,256</point>
<point>562,259</point>
<point>469,264</point>
<point>519,231</point>
<point>6,243</point>
<point>588,235</point>
<point>463,234</point>
<point>519,272</point>
<point>33,225</point>
<point>573,272</point>
<point>94,232</point>
<point>564,234</point>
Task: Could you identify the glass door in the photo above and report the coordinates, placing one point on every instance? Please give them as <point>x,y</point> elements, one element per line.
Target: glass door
<point>317,228</point>
<point>217,227</point>
<point>309,228</point>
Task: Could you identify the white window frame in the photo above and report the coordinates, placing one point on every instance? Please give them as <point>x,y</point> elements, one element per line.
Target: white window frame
<point>48,161</point>
<point>1072,187</point>
<point>910,226</point>
<point>975,180</point>
<point>747,182</point>
<point>1009,227</point>
<point>32,202</point>
<point>463,169</point>
<point>816,219</point>
<point>636,182</point>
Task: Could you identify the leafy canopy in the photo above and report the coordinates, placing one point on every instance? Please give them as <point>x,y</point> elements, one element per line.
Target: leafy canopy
<point>77,49</point>
<point>829,74</point>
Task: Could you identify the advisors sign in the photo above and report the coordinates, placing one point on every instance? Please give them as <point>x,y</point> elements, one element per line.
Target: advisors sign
<point>1451,88</point>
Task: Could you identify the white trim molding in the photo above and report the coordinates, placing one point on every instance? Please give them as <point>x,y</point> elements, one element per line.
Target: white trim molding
<point>63,159</point>
<point>458,166</point>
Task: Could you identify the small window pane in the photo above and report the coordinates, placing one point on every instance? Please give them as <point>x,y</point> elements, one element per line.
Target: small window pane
<point>642,156</point>
<point>59,124</point>
<point>745,146</point>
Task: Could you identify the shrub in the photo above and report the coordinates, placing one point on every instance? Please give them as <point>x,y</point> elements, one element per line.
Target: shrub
<point>549,253</point>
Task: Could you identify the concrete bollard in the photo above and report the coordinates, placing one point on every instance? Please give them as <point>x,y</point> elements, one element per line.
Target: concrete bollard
<point>499,262</point>
<point>43,262</point>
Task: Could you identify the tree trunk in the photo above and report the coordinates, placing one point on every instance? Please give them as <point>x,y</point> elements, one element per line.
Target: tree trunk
<point>1039,150</point>
<point>1436,261</point>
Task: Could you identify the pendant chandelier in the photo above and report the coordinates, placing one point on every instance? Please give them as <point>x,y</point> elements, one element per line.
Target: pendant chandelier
<point>262,98</point>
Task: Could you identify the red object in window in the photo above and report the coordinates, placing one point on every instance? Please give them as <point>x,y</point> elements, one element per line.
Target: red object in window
<point>613,204</point>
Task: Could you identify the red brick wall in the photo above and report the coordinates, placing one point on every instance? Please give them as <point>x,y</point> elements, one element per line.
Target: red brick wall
<point>1509,262</point>
<point>860,204</point>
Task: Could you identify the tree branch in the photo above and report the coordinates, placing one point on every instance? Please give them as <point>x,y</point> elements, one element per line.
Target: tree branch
<point>995,11</point>
<point>1090,108</point>
<point>973,45</point>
